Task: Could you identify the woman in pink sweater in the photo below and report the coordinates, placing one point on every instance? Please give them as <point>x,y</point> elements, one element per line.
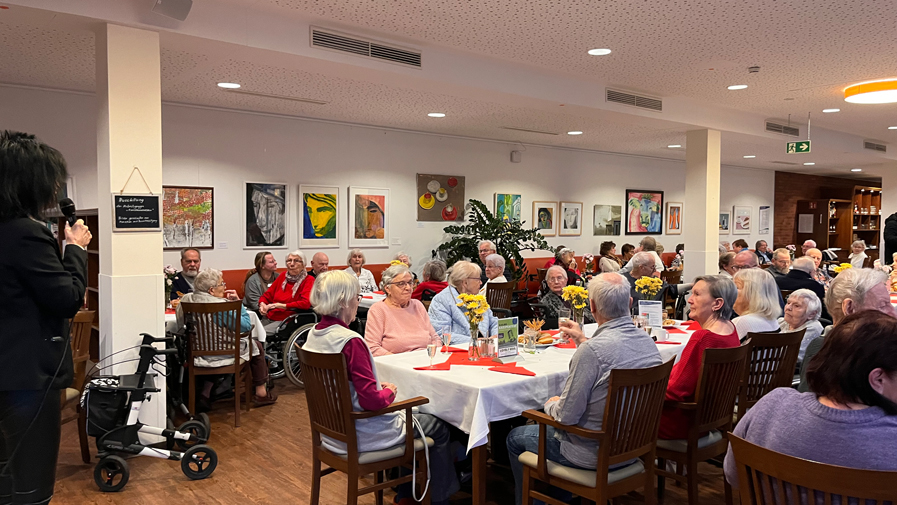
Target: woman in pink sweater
<point>398,323</point>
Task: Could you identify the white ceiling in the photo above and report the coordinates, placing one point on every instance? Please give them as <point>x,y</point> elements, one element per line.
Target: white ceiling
<point>664,48</point>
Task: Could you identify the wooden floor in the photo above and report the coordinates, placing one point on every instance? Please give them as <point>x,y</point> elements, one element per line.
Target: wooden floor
<point>266,461</point>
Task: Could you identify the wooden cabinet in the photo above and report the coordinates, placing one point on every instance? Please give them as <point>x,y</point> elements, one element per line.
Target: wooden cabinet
<point>826,222</point>
<point>867,220</point>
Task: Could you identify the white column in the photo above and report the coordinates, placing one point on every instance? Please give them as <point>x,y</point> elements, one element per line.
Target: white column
<point>700,223</point>
<point>129,134</point>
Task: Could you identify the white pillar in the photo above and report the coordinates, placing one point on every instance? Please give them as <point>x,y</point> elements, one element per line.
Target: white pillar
<point>129,134</point>
<point>700,223</point>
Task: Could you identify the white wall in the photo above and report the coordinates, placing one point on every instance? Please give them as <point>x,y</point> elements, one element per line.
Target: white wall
<point>223,149</point>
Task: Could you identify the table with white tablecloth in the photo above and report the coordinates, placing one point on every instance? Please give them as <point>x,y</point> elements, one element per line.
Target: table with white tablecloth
<point>368,299</point>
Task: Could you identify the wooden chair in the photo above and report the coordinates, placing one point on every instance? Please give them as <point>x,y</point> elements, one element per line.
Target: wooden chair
<point>71,396</point>
<point>766,476</point>
<point>671,277</point>
<point>630,424</point>
<point>721,373</point>
<point>786,293</point>
<point>765,266</point>
<point>771,361</point>
<point>213,336</point>
<point>499,296</point>
<point>540,275</point>
<point>330,414</point>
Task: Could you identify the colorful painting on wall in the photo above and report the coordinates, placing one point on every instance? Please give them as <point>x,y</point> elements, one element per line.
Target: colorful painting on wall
<point>440,197</point>
<point>188,217</point>
<point>319,210</point>
<point>265,214</point>
<point>507,206</point>
<point>544,218</point>
<point>674,218</point>
<point>571,219</point>
<point>607,220</point>
<point>369,217</point>
<point>645,212</point>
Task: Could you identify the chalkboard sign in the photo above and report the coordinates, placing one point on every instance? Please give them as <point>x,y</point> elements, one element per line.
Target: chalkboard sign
<point>136,212</point>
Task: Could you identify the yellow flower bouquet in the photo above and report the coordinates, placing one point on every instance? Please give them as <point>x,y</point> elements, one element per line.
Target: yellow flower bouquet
<point>474,308</point>
<point>842,267</point>
<point>648,286</point>
<point>578,297</point>
<point>395,262</point>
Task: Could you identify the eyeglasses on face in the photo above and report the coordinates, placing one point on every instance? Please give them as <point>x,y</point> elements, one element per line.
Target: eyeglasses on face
<point>402,284</point>
<point>487,251</point>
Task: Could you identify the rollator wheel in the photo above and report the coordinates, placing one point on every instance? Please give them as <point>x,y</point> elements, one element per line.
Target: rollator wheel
<point>199,462</point>
<point>111,474</point>
<point>197,429</point>
<point>204,419</point>
<point>291,366</point>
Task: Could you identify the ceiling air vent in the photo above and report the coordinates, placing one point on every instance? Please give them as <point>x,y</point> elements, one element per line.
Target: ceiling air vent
<point>362,47</point>
<point>527,130</point>
<point>633,100</point>
<point>791,131</point>
<point>875,146</point>
<point>785,163</point>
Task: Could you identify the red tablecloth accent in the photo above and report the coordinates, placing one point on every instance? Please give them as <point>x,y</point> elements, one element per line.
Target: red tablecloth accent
<point>437,366</point>
<point>170,311</point>
<point>509,368</point>
<point>452,349</point>
<point>567,345</point>
<point>675,330</point>
<point>461,359</point>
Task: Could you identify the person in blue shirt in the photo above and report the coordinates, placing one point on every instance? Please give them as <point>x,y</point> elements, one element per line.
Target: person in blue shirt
<point>445,313</point>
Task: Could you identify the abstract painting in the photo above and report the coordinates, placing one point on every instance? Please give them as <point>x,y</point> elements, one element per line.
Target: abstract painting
<point>188,217</point>
<point>319,211</point>
<point>724,218</point>
<point>571,218</point>
<point>607,220</point>
<point>741,220</point>
<point>440,197</point>
<point>645,212</point>
<point>368,217</point>
<point>265,211</point>
<point>544,218</point>
<point>674,218</point>
<point>507,206</point>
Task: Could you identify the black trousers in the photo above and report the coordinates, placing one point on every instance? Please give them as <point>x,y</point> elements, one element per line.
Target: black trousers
<point>30,474</point>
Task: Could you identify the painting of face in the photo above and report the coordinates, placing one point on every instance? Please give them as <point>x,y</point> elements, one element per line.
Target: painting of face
<point>645,210</point>
<point>544,218</point>
<point>266,219</point>
<point>319,212</point>
<point>572,218</point>
<point>369,217</point>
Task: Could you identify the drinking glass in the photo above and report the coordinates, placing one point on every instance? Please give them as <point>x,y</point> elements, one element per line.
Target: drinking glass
<point>445,333</point>
<point>529,341</point>
<point>432,345</point>
<point>563,315</point>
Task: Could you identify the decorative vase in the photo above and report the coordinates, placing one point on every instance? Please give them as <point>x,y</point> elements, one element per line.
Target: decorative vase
<point>473,350</point>
<point>579,316</point>
<point>167,300</point>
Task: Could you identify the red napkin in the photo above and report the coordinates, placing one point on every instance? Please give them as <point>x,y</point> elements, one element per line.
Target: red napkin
<point>693,325</point>
<point>461,359</point>
<point>369,297</point>
<point>437,366</point>
<point>553,333</point>
<point>170,311</point>
<point>668,342</point>
<point>452,349</point>
<point>568,345</point>
<point>379,293</point>
<point>513,369</point>
<point>675,330</point>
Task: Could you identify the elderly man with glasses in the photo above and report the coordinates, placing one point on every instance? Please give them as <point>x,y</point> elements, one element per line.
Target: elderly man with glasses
<point>747,259</point>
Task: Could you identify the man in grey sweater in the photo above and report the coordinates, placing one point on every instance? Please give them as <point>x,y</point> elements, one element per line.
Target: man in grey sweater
<point>617,343</point>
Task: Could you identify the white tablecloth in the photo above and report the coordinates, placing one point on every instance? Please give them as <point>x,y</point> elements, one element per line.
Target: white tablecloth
<point>258,331</point>
<point>470,397</point>
<point>369,299</point>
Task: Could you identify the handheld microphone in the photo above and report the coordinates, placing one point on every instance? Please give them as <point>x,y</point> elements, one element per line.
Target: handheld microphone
<point>67,207</point>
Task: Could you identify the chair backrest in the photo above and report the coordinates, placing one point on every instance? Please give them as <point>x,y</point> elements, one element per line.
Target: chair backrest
<point>671,276</point>
<point>327,393</point>
<point>540,274</point>
<point>80,342</point>
<point>766,476</point>
<point>632,412</point>
<point>765,266</point>
<point>216,328</point>
<point>499,294</point>
<point>771,361</point>
<point>786,293</point>
<point>721,373</point>
<point>427,295</point>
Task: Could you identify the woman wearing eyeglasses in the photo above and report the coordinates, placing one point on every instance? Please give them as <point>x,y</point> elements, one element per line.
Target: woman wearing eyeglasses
<point>398,323</point>
<point>444,310</point>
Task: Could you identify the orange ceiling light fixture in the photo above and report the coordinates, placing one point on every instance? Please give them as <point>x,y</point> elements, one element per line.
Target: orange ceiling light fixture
<point>883,91</point>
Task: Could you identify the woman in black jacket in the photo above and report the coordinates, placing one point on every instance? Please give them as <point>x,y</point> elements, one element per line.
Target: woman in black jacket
<point>41,290</point>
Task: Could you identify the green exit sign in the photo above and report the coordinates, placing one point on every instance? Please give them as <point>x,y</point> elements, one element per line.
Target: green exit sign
<point>798,147</point>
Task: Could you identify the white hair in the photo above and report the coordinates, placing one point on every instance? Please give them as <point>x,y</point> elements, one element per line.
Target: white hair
<point>552,267</point>
<point>391,273</point>
<point>399,255</point>
<point>206,280</point>
<point>332,291</point>
<point>461,271</point>
<point>814,306</point>
<point>353,252</point>
<point>858,243</point>
<point>852,284</point>
<point>298,253</point>
<point>811,242</point>
<point>642,259</point>
<point>761,292</point>
<point>610,293</point>
<point>434,270</point>
<point>804,264</point>
<point>483,242</point>
<point>497,260</point>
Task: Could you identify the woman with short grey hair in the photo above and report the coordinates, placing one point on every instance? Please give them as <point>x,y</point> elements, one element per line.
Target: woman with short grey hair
<point>858,255</point>
<point>495,268</point>
<point>356,261</point>
<point>434,281</point>
<point>802,310</point>
<point>406,259</point>
<point>445,313</point>
<point>399,323</point>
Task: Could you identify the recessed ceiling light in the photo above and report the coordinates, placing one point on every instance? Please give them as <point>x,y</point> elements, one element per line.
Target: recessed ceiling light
<point>884,91</point>
<point>674,146</point>
<point>809,163</point>
<point>574,132</point>
<point>829,111</point>
<point>599,52</point>
<point>737,86</point>
<point>228,85</point>
<point>856,169</point>
<point>749,156</point>
<point>436,114</point>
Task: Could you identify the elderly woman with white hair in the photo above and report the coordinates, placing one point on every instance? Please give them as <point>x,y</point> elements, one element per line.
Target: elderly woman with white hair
<point>757,304</point>
<point>556,279</point>
<point>335,298</point>
<point>495,268</point>
<point>434,281</point>
<point>209,287</point>
<point>858,255</point>
<point>802,311</point>
<point>356,261</point>
<point>406,259</point>
<point>291,290</point>
<point>399,323</point>
<point>444,310</point>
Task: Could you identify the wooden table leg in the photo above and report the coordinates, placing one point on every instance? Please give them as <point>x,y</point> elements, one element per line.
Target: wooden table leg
<point>479,455</point>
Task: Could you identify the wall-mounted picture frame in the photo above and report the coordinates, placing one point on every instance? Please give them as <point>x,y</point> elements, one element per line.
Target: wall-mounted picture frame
<point>570,223</point>
<point>188,217</point>
<point>724,218</point>
<point>265,218</point>
<point>644,211</point>
<point>741,220</point>
<point>440,197</point>
<point>674,218</point>
<point>319,211</point>
<point>544,217</point>
<point>763,222</point>
<point>607,220</point>
<point>369,217</point>
<point>508,207</point>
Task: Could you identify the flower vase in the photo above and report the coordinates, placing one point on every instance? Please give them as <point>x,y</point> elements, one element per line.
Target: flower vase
<point>579,316</point>
<point>167,300</point>
<point>473,350</point>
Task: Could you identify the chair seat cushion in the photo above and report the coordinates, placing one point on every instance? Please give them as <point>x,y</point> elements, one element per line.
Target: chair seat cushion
<point>578,475</point>
<point>382,455</point>
<point>681,445</point>
<point>71,394</point>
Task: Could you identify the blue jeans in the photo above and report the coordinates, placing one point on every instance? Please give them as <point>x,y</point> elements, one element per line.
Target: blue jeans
<point>526,438</point>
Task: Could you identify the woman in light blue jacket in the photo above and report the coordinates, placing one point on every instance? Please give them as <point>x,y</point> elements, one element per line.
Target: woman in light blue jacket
<point>444,311</point>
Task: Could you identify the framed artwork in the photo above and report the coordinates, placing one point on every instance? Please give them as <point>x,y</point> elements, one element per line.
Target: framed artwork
<point>440,197</point>
<point>763,228</point>
<point>645,212</point>
<point>265,215</point>
<point>571,219</point>
<point>674,218</point>
<point>741,220</point>
<point>188,217</point>
<point>368,217</point>
<point>544,214</point>
<point>507,206</point>
<point>724,218</point>
<point>318,213</point>
<point>607,220</point>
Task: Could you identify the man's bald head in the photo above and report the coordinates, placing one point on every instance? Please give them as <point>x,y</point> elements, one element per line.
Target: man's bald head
<point>319,263</point>
<point>744,260</point>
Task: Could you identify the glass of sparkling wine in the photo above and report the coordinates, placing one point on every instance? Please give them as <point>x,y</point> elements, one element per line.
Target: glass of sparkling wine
<point>432,345</point>
<point>563,316</point>
<point>445,333</point>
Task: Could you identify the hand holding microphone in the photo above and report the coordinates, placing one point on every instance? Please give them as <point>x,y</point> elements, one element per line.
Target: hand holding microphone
<point>76,231</point>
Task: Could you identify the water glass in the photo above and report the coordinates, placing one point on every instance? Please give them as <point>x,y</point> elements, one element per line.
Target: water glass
<point>445,333</point>
<point>529,341</point>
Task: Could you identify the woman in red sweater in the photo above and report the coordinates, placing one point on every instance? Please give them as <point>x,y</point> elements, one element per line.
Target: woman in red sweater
<point>711,302</point>
<point>290,291</point>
